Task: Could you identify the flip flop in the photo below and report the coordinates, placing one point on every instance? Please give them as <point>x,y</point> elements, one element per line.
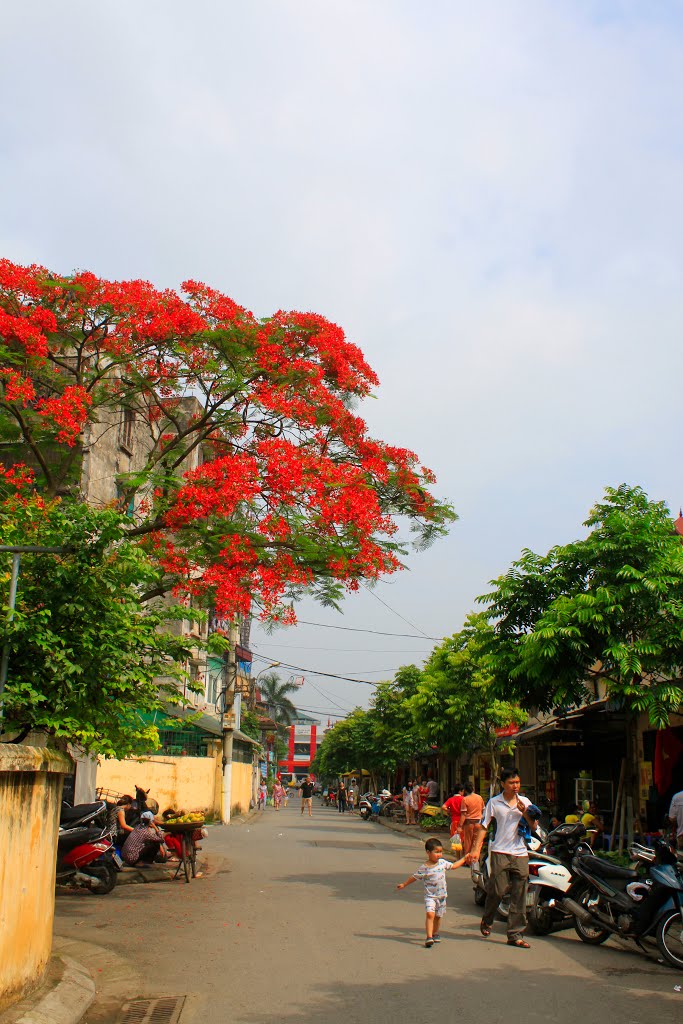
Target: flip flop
<point>520,943</point>
<point>485,929</point>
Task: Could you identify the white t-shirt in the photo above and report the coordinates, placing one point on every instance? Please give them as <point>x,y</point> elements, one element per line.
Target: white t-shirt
<point>434,877</point>
<point>676,812</point>
<point>507,839</point>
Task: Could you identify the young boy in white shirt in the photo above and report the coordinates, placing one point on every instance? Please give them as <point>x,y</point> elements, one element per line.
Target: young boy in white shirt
<point>433,875</point>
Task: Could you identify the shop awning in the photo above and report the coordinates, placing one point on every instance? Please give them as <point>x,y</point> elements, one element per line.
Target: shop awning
<point>555,723</point>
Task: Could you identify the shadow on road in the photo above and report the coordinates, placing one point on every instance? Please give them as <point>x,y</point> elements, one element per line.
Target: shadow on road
<point>350,885</point>
<point>546,995</point>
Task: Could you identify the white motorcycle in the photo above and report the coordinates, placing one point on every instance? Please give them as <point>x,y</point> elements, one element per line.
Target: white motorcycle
<point>549,876</point>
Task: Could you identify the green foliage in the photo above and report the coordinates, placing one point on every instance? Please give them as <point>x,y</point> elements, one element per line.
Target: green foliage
<point>608,607</point>
<point>274,695</point>
<point>456,705</point>
<point>84,659</point>
<point>435,823</point>
<point>249,724</point>
<point>378,739</point>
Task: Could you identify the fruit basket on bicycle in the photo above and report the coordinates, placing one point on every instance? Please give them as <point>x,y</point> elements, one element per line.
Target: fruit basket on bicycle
<point>179,827</point>
<point>185,828</point>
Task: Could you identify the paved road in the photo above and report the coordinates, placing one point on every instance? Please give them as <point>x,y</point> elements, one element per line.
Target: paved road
<point>303,923</point>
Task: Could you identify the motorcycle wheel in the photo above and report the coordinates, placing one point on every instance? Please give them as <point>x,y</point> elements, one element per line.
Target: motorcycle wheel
<point>592,934</point>
<point>670,938</point>
<point>540,918</point>
<point>364,813</point>
<point>479,897</point>
<point>388,809</point>
<point>107,876</point>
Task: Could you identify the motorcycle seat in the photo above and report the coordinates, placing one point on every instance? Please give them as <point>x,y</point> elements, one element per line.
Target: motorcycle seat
<point>79,811</point>
<point>604,869</point>
<point>67,841</point>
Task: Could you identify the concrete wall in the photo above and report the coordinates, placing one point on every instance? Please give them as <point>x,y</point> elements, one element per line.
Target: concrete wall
<point>241,787</point>
<point>182,782</point>
<point>30,797</point>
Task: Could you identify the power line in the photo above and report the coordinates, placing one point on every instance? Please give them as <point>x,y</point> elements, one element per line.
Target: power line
<point>376,632</point>
<point>312,672</point>
<point>315,711</point>
<point>393,610</point>
<point>347,650</point>
<point>327,696</point>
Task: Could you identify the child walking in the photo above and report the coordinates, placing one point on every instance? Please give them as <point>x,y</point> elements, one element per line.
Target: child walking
<point>433,874</point>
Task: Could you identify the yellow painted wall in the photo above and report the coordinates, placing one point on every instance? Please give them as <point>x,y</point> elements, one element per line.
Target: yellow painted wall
<point>31,780</point>
<point>181,782</point>
<point>241,787</point>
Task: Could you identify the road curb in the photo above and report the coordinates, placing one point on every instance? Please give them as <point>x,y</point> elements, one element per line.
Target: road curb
<point>63,1001</point>
<point>418,836</point>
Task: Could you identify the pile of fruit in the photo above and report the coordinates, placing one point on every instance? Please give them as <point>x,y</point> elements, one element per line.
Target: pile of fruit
<point>185,819</point>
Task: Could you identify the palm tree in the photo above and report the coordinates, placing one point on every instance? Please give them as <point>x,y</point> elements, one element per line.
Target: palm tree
<point>274,696</point>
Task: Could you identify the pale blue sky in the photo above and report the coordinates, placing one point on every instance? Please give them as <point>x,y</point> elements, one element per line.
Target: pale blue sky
<point>486,197</point>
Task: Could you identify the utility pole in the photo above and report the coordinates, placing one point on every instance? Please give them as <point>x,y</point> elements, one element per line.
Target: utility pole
<point>228,721</point>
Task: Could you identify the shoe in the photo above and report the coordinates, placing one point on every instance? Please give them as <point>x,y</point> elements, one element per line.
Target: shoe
<point>429,943</point>
<point>437,938</point>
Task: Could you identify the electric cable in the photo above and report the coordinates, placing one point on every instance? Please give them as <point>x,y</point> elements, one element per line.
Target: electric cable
<point>393,610</point>
<point>376,632</point>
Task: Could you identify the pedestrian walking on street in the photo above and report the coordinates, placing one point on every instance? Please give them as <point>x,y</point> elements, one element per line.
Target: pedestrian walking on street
<point>471,813</point>
<point>408,803</point>
<point>278,794</point>
<point>350,798</point>
<point>341,799</point>
<point>433,875</point>
<point>307,795</point>
<point>262,796</point>
<point>509,856</point>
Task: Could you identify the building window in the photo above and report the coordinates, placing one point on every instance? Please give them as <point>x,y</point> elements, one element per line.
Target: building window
<point>126,427</point>
<point>302,749</point>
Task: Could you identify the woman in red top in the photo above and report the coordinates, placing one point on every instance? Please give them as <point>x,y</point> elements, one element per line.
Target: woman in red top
<point>453,806</point>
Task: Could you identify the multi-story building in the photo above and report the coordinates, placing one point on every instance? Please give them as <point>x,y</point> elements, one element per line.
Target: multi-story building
<point>305,736</point>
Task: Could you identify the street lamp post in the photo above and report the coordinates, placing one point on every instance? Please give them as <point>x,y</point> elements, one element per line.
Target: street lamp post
<point>252,694</point>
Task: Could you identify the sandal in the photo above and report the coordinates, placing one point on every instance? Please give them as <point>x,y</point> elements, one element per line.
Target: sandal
<point>485,929</point>
<point>520,943</point>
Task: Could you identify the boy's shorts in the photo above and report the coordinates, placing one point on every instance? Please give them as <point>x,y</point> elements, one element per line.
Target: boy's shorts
<point>436,906</point>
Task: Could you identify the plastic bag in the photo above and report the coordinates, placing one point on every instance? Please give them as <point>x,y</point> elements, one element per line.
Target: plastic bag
<point>456,844</point>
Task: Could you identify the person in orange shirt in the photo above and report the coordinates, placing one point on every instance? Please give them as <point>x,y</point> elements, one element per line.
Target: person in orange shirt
<point>471,813</point>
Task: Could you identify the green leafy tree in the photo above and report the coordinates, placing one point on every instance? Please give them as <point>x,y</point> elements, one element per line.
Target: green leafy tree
<point>84,660</point>
<point>377,740</point>
<point>343,747</point>
<point>609,606</point>
<point>275,696</point>
<point>456,705</point>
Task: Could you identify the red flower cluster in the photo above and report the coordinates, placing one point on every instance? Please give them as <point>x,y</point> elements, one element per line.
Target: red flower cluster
<point>257,477</point>
<point>68,411</point>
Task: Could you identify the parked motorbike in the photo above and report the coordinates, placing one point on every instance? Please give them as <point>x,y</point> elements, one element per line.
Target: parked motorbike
<point>620,901</point>
<point>551,876</point>
<point>85,848</point>
<point>381,804</point>
<point>480,871</point>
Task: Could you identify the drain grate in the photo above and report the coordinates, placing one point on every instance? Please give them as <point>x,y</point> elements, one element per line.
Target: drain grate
<point>165,1010</point>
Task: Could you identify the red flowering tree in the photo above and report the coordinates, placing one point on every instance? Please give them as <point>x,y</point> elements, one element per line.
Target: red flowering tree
<point>254,477</point>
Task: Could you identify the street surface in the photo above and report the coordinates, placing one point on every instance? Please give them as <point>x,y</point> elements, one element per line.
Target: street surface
<point>302,922</point>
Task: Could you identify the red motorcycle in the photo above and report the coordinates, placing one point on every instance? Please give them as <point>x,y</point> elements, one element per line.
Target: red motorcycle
<point>85,852</point>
